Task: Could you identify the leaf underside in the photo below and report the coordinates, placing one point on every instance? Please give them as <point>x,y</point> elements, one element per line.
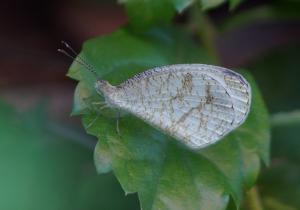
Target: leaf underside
<point>164,173</point>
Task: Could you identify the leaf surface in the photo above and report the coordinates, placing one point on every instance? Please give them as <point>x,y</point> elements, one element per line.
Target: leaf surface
<point>143,14</point>
<point>164,173</point>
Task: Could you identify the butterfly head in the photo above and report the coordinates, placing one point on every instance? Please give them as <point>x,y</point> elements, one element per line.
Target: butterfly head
<point>104,88</point>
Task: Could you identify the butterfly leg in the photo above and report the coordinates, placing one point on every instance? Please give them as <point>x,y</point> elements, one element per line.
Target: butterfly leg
<point>104,106</point>
<point>98,105</point>
<point>93,105</point>
<point>93,121</point>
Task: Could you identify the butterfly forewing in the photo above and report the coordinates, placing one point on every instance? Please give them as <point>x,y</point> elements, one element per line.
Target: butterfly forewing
<point>196,104</point>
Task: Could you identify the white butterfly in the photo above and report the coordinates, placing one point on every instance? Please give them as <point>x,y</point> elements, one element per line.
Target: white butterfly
<point>196,104</point>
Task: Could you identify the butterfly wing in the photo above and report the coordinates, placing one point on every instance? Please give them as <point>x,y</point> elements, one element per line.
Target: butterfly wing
<point>195,103</point>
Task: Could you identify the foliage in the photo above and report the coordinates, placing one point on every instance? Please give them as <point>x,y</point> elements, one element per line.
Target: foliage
<point>46,165</point>
<point>149,162</point>
<point>143,14</point>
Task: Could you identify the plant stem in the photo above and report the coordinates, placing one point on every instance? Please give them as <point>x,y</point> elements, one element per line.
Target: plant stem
<point>285,118</point>
<point>253,199</point>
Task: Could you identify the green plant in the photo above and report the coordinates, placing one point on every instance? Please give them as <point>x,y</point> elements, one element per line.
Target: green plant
<point>164,174</point>
<point>47,164</point>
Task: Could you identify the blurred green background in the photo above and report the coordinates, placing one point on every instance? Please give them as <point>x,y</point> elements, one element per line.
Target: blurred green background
<point>46,159</point>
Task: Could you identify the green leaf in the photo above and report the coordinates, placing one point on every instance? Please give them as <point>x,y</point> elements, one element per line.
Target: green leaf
<point>163,173</point>
<point>143,14</point>
<point>146,13</point>
<point>254,136</point>
<point>44,167</point>
<point>277,11</point>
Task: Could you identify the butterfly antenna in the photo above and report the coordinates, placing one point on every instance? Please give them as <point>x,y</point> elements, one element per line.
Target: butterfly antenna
<point>69,47</point>
<point>74,56</point>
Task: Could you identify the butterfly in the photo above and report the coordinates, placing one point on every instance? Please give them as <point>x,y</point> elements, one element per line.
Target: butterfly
<point>197,104</point>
